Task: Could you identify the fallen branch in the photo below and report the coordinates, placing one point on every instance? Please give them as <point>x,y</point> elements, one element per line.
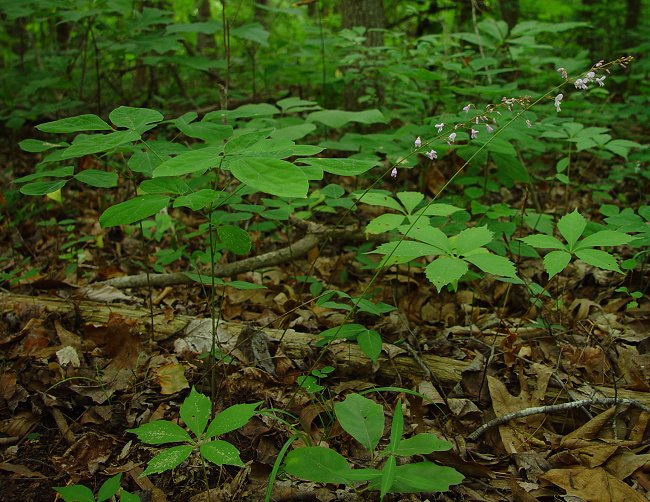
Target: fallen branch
<point>554,408</point>
<point>270,259</point>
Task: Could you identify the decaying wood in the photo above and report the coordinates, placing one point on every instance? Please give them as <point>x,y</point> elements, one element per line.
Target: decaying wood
<point>317,235</point>
<point>347,357</point>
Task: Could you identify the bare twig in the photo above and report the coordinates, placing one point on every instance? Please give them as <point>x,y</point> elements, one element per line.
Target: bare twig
<point>538,410</point>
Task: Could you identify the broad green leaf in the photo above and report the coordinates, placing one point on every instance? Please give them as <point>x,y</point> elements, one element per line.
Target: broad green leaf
<point>135,119</point>
<point>207,280</point>
<point>161,432</point>
<point>109,488</point>
<point>429,235</point>
<point>438,210</point>
<point>370,343</point>
<point>221,453</point>
<point>338,118</point>
<point>133,210</point>
<point>38,146</point>
<point>424,477</point>
<point>97,178</point>
<point>244,142</point>
<point>555,262</point>
<point>86,122</point>
<point>294,132</point>
<point>244,111</point>
<point>343,331</point>
<point>604,238</point>
<point>472,238</point>
<point>445,270</point>
<point>410,200</point>
<point>190,162</point>
<point>493,264</point>
<point>421,444</point>
<point>379,199</point>
<point>254,32</point>
<point>75,493</point>
<point>598,258</point>
<point>362,418</point>
<point>42,187</point>
<point>201,199</point>
<point>164,186</point>
<point>273,176</point>
<point>571,227</point>
<point>60,172</point>
<point>168,459</point>
<point>234,238</point>
<point>387,476</point>
<point>621,147</point>
<point>543,241</point>
<point>195,412</point>
<point>319,464</point>
<point>231,418</point>
<point>294,102</point>
<point>384,223</point>
<point>128,497</point>
<point>95,143</point>
<point>342,167</point>
<point>406,250</point>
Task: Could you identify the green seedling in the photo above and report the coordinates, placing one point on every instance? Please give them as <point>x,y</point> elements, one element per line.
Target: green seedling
<point>110,488</point>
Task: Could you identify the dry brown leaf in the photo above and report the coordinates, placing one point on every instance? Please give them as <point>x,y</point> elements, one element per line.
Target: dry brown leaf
<point>171,378</point>
<point>592,485</point>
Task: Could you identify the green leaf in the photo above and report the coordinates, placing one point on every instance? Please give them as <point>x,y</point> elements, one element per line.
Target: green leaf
<point>161,432</point>
<point>133,210</point>
<point>168,459</point>
<point>445,270</point>
<point>438,210</point>
<point>396,428</point>
<point>199,200</point>
<point>387,477</point>
<point>410,200</point>
<point>403,251</point>
<point>59,172</point>
<point>342,167</point>
<point>379,199</point>
<point>604,238</point>
<point>75,493</point>
<point>97,178</point>
<point>95,143</point>
<point>221,453</point>
<point>338,118</point>
<point>421,444</point>
<point>135,119</point>
<point>294,132</point>
<point>234,238</point>
<point>254,32</point>
<point>370,343</point>
<point>543,241</point>
<point>241,144</point>
<point>231,418</point>
<point>493,264</point>
<point>362,418</point>
<point>424,477</point>
<point>38,146</point>
<point>195,412</point>
<point>571,227</point>
<point>429,235</point>
<point>42,187</point>
<point>599,259</point>
<point>128,497</point>
<point>86,122</point>
<point>273,176</point>
<point>472,238</point>
<point>109,488</point>
<point>555,262</point>
<point>344,331</point>
<point>384,223</point>
<point>319,464</point>
<point>190,162</point>
<point>621,147</point>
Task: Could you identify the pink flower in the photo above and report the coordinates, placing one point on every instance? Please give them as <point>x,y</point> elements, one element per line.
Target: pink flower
<point>489,128</point>
<point>418,142</point>
<point>558,100</point>
<point>466,108</point>
<point>393,173</point>
<point>562,71</point>
<point>452,138</point>
<point>600,80</point>
<point>432,154</point>
<point>581,84</point>
<point>473,134</point>
<point>440,126</point>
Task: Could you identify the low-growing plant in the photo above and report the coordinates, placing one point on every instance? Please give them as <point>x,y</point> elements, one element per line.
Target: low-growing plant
<point>364,420</point>
<point>109,489</point>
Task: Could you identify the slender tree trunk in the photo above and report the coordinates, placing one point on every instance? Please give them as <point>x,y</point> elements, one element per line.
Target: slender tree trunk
<point>204,41</point>
<point>509,12</point>
<point>633,14</point>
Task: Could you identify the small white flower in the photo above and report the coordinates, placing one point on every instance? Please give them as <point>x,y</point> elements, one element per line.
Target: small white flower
<point>590,76</point>
<point>476,119</point>
<point>440,126</point>
<point>466,108</point>
<point>600,80</point>
<point>473,134</point>
<point>418,142</point>
<point>489,128</point>
<point>393,173</point>
<point>529,123</point>
<point>558,100</point>
<point>452,138</point>
<point>580,84</point>
<point>562,71</point>
<point>432,154</point>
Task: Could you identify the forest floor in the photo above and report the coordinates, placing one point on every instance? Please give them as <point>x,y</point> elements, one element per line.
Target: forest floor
<point>482,352</point>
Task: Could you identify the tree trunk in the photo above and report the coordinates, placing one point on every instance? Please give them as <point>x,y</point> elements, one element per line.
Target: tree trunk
<point>204,41</point>
<point>509,12</point>
<point>632,14</point>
